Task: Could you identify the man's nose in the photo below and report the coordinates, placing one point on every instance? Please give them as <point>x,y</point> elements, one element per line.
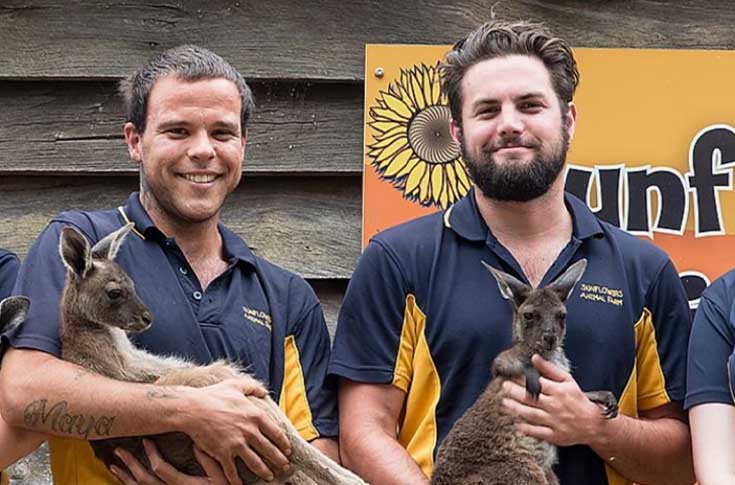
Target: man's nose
<point>509,121</point>
<point>201,148</point>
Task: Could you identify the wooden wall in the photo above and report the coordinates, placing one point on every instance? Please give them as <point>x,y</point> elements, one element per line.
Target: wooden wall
<point>299,205</point>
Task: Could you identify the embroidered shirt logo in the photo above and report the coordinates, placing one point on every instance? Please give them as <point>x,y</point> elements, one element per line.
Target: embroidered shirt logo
<point>601,294</point>
<point>258,317</point>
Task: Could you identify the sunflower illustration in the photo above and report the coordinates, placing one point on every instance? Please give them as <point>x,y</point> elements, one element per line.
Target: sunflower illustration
<point>412,147</point>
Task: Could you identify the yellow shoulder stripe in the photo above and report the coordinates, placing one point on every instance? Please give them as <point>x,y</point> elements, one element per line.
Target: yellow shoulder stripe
<point>294,401</point>
<point>416,375</point>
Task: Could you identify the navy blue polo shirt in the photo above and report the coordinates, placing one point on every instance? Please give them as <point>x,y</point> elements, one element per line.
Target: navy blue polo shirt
<point>255,313</point>
<point>9,265</point>
<point>421,313</point>
<point>711,368</point>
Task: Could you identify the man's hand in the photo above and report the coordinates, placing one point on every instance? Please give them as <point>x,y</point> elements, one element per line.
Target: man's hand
<point>225,424</point>
<point>562,415</point>
<point>164,472</point>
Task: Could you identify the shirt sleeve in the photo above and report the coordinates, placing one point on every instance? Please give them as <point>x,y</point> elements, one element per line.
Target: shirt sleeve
<point>9,265</point>
<point>41,278</point>
<point>711,346</point>
<point>662,347</point>
<point>307,397</point>
<point>371,321</point>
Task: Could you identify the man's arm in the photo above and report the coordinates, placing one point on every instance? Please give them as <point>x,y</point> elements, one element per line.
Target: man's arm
<point>45,394</point>
<point>368,422</point>
<point>653,448</point>
<point>713,442</point>
<point>15,443</point>
<point>328,446</point>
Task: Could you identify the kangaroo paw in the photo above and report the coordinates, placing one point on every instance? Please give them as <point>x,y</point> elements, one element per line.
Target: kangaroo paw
<point>533,382</point>
<point>608,401</point>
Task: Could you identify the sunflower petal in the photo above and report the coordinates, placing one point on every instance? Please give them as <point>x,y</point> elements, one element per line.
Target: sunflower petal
<point>383,126</point>
<point>424,186</point>
<point>409,166</point>
<point>384,141</point>
<point>382,114</point>
<point>418,93</point>
<point>414,178</point>
<point>444,197</point>
<point>437,181</point>
<point>392,149</point>
<point>397,105</point>
<point>451,177</point>
<point>462,173</point>
<point>398,163</point>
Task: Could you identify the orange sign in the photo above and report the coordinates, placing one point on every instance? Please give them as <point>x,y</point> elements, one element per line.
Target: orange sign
<point>653,152</point>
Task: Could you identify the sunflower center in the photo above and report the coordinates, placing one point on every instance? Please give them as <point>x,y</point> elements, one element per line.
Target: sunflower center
<point>428,134</point>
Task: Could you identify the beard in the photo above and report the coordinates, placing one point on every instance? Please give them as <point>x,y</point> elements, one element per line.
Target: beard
<point>516,180</point>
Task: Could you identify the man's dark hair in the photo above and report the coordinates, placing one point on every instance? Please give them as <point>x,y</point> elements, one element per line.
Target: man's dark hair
<point>185,62</point>
<point>499,39</point>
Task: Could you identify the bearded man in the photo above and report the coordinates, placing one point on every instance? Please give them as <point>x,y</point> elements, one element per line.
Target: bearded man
<point>422,320</point>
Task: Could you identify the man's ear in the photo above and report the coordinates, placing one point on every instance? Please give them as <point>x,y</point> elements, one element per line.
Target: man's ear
<point>134,140</point>
<point>570,121</point>
<point>456,131</point>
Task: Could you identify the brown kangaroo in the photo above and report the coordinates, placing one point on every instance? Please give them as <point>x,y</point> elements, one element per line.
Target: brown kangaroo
<point>483,446</point>
<point>98,306</point>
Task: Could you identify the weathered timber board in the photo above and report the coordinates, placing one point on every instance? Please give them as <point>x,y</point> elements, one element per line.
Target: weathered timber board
<point>76,127</point>
<point>330,293</point>
<point>310,225</point>
<point>319,39</point>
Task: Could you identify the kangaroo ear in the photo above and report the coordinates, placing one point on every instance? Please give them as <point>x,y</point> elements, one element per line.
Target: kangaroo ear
<point>108,246</point>
<point>510,287</point>
<point>75,252</point>
<point>13,311</point>
<point>563,284</point>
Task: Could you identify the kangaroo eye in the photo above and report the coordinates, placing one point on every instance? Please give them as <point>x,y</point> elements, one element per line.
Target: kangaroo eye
<point>114,293</point>
<point>529,316</point>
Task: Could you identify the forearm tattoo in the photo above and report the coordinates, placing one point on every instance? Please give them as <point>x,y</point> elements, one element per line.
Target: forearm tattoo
<point>61,420</point>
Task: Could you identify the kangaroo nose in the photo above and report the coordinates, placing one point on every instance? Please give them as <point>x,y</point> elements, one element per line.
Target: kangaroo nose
<point>147,317</point>
<point>549,340</point>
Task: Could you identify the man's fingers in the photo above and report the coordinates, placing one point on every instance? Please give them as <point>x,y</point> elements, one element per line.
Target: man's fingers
<point>210,465</point>
<point>538,432</point>
<point>528,414</point>
<point>256,465</point>
<point>549,370</point>
<point>230,470</point>
<point>138,472</point>
<point>164,470</point>
<point>121,475</point>
<point>251,387</point>
<point>275,434</point>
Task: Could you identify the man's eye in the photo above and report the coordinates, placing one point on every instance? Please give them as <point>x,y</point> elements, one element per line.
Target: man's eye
<point>530,106</point>
<point>223,135</point>
<point>176,132</point>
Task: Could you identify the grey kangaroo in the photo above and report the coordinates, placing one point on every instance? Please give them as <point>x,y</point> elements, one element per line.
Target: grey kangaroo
<point>483,447</point>
<point>98,306</point>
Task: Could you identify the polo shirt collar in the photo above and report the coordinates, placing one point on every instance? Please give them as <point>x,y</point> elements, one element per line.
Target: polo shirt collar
<point>235,248</point>
<point>464,218</point>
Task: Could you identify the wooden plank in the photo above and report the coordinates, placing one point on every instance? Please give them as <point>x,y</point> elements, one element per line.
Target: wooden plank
<point>310,225</point>
<point>320,39</point>
<point>330,293</point>
<point>76,127</point>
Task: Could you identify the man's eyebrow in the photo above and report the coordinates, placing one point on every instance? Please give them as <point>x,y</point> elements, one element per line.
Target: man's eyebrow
<point>171,123</point>
<point>230,125</point>
<point>532,95</point>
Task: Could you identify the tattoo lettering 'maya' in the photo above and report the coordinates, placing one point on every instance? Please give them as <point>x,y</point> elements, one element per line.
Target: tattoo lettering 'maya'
<point>62,421</point>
